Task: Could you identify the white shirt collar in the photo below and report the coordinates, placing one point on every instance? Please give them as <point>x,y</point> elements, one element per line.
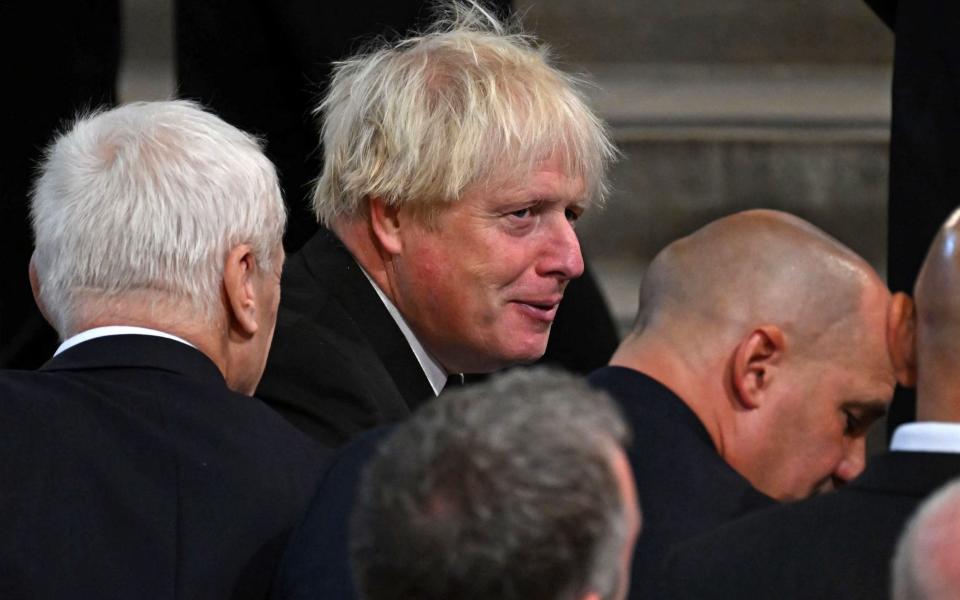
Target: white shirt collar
<point>436,374</point>
<point>99,332</point>
<point>927,436</point>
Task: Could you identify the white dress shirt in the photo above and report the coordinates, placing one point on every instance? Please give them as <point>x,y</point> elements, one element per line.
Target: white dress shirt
<point>99,332</point>
<point>436,374</point>
<point>927,436</point>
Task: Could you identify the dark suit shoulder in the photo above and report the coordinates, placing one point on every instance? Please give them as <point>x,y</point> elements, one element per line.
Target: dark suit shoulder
<point>676,464</point>
<point>339,363</point>
<point>684,486</point>
<point>832,547</point>
<point>316,563</point>
<point>312,274</point>
<point>192,488</point>
<point>837,545</point>
<point>328,383</point>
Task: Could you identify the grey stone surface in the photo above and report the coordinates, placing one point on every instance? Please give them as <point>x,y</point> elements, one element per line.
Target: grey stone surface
<point>147,65</point>
<point>701,141</point>
<point>148,30</point>
<point>777,96</point>
<point>665,188</point>
<point>710,31</point>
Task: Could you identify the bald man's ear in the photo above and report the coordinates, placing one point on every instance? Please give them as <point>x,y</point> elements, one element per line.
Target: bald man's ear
<point>902,339</point>
<point>755,359</point>
<point>385,222</point>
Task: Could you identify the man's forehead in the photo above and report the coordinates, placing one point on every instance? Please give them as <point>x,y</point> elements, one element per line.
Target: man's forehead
<point>866,376</point>
<point>855,359</point>
<point>544,182</point>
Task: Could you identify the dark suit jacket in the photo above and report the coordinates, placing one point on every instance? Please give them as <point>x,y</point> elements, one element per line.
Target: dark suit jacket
<point>339,363</point>
<point>317,561</point>
<point>685,488</point>
<point>834,546</point>
<point>129,470</point>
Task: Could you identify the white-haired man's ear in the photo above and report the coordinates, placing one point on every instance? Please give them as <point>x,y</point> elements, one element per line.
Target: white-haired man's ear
<point>240,273</point>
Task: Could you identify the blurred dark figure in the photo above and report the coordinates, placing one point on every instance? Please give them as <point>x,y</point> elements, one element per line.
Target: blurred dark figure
<point>924,142</point>
<point>262,65</point>
<point>70,65</point>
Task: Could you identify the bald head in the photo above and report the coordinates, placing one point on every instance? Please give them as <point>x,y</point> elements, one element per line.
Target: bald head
<point>757,266</point>
<point>937,296</point>
<point>774,334</point>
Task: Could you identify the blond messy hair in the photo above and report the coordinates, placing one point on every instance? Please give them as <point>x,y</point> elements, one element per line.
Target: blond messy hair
<point>470,101</point>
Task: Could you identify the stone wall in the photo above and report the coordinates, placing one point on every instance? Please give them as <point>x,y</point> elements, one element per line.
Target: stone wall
<point>753,31</point>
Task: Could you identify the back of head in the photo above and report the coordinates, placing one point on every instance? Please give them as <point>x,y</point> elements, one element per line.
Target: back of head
<point>775,335</point>
<point>506,490</point>
<point>926,564</point>
<point>757,266</point>
<point>937,294</point>
<point>140,204</point>
<point>468,101</point>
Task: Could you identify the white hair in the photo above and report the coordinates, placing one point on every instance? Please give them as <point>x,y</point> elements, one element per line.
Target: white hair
<point>926,564</point>
<point>467,102</point>
<point>147,200</point>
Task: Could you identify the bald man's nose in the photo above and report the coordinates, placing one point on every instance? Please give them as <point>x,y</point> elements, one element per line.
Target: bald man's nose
<point>853,461</point>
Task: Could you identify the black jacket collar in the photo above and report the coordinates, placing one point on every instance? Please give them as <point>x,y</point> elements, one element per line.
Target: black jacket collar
<point>136,351</point>
<point>329,262</point>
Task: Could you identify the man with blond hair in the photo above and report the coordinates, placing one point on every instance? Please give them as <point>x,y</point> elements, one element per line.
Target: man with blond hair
<point>135,464</point>
<point>455,166</point>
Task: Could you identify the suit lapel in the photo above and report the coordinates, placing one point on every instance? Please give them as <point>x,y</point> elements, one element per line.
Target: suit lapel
<point>332,265</point>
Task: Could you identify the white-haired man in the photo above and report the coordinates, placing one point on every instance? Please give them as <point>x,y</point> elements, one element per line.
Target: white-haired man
<point>456,164</point>
<point>134,463</point>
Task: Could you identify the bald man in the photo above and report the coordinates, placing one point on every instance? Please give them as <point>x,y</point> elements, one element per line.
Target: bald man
<point>757,361</point>
<point>840,545</point>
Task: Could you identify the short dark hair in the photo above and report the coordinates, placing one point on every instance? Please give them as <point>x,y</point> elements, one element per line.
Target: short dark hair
<point>500,490</point>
